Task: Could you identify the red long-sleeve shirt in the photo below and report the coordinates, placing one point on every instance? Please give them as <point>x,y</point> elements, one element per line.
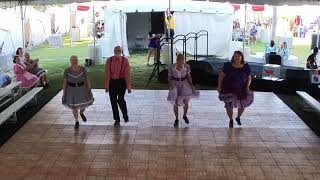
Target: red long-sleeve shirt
<point>117,68</point>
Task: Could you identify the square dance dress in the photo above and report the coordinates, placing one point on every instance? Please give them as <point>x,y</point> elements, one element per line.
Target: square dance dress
<point>234,87</point>
<point>182,88</point>
<point>77,93</point>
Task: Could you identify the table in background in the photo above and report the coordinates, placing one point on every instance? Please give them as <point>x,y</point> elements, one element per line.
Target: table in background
<point>55,40</point>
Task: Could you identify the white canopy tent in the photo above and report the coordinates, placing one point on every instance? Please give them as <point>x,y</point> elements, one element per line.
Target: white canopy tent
<point>38,21</point>
<point>190,16</point>
<point>12,3</point>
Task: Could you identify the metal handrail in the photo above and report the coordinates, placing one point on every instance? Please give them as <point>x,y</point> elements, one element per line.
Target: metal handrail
<point>185,38</point>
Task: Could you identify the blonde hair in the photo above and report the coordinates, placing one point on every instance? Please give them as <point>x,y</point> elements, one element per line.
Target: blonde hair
<point>180,56</point>
<point>73,56</point>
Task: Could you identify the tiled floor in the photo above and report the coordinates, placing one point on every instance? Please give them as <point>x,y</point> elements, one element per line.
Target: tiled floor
<point>273,142</point>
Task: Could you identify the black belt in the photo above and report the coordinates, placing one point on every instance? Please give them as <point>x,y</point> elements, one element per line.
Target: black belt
<point>76,84</point>
<point>178,79</point>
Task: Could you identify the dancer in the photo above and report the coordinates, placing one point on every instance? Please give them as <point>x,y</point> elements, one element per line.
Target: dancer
<point>77,93</point>
<point>234,86</point>
<point>117,80</point>
<point>181,88</point>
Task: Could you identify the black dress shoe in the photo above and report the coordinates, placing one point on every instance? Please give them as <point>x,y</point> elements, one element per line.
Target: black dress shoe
<point>76,125</point>
<point>238,121</point>
<point>176,123</point>
<point>84,119</point>
<point>231,124</point>
<point>186,120</point>
<point>117,123</point>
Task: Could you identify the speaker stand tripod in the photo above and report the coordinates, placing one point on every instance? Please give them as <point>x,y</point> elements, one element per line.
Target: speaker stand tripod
<point>156,71</point>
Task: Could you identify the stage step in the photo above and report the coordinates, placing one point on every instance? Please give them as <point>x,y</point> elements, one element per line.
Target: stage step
<point>310,100</point>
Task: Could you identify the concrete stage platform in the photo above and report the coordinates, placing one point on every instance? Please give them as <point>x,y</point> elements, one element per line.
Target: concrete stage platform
<point>272,143</point>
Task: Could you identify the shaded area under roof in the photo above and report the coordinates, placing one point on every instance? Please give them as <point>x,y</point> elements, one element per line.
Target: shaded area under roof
<point>13,3</point>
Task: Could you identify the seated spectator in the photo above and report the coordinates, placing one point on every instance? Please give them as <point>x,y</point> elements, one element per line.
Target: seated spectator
<point>311,61</point>
<point>19,53</point>
<point>270,49</point>
<point>27,79</point>
<point>284,51</point>
<point>4,80</point>
<point>32,67</point>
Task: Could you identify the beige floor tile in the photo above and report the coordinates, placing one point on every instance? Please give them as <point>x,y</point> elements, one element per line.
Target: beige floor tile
<point>275,145</point>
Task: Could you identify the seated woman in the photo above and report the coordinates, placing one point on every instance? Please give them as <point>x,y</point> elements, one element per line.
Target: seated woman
<point>19,53</point>
<point>32,67</point>
<point>4,80</point>
<point>284,51</point>
<point>27,79</point>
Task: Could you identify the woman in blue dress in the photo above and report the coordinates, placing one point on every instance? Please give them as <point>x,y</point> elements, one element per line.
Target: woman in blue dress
<point>153,45</point>
<point>234,86</point>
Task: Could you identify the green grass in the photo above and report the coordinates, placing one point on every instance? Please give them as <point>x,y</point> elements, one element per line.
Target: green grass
<point>56,60</point>
<point>301,51</point>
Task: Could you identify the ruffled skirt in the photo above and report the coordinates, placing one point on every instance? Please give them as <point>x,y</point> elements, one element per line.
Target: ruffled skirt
<point>77,97</point>
<point>233,101</point>
<point>181,91</point>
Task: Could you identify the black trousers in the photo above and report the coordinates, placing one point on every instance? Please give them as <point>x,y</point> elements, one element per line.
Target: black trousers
<point>171,33</point>
<point>117,90</point>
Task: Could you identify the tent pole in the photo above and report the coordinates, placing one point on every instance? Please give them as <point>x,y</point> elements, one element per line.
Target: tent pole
<point>22,25</point>
<point>244,27</point>
<point>318,38</point>
<point>94,37</point>
<point>171,38</point>
<point>274,23</point>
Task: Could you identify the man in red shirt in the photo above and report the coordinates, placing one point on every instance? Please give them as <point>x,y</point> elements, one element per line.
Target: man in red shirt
<point>117,80</point>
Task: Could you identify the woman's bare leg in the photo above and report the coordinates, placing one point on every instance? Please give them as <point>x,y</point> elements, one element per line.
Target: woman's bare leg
<point>186,106</point>
<point>75,113</point>
<point>240,111</point>
<point>185,110</point>
<point>176,111</point>
<point>230,115</point>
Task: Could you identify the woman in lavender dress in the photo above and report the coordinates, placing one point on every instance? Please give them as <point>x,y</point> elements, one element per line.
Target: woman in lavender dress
<point>234,86</point>
<point>181,88</point>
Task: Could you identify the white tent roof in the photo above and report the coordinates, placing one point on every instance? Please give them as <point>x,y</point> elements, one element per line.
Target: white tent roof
<point>12,3</point>
<point>130,6</point>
